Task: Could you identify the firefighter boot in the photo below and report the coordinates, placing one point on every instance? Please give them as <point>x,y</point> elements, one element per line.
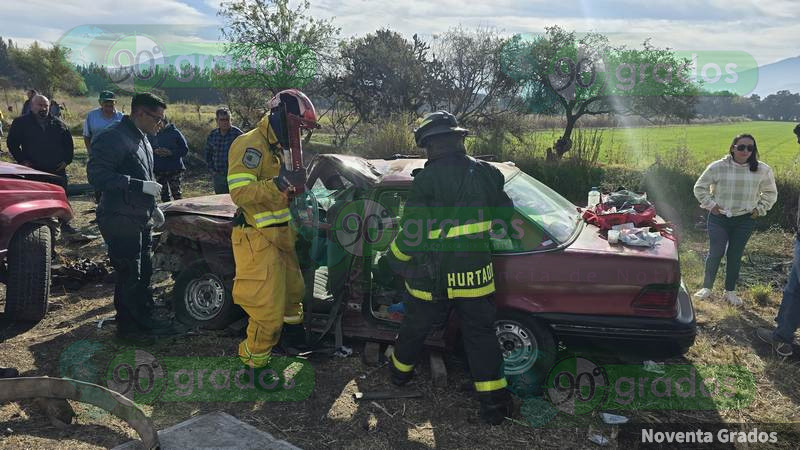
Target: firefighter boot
<point>495,406</point>
<point>401,373</point>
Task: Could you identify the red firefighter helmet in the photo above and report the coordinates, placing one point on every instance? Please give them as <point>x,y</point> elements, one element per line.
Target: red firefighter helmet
<point>298,104</point>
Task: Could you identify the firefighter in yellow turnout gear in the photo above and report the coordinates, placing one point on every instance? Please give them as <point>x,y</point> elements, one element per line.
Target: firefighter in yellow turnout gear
<point>268,283</point>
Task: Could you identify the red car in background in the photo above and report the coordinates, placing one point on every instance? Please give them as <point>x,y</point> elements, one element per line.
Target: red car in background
<point>557,279</point>
<point>31,203</point>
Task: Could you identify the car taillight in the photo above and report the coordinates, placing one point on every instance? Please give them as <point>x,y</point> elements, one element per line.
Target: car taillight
<point>657,301</point>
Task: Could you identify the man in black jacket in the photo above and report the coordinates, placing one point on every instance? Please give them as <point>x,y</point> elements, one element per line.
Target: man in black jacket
<point>121,167</point>
<point>443,251</point>
<point>42,142</point>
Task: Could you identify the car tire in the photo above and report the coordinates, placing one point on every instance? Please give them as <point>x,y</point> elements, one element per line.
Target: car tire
<point>28,284</point>
<point>529,351</point>
<point>201,298</point>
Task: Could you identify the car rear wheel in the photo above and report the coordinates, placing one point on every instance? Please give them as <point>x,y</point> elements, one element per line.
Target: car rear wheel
<point>202,298</point>
<point>529,351</point>
<point>28,285</point>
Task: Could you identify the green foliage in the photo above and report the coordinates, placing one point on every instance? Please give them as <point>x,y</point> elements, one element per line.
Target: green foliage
<point>389,137</point>
<point>47,70</point>
<point>382,74</point>
<point>761,294</point>
<point>290,41</point>
<point>561,73</point>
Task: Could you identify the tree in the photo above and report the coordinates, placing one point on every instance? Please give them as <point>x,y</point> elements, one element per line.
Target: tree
<point>783,105</point>
<point>274,46</point>
<point>561,73</point>
<point>47,70</point>
<point>468,80</point>
<point>382,74</point>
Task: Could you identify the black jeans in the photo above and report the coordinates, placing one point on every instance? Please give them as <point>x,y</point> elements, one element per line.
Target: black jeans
<point>477,316</point>
<point>129,249</point>
<point>727,235</point>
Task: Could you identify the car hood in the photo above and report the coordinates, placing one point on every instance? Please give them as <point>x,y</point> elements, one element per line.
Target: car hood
<point>10,170</point>
<point>209,205</point>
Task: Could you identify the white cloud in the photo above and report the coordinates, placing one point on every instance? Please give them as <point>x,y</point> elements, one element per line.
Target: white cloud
<point>47,21</point>
<point>767,29</point>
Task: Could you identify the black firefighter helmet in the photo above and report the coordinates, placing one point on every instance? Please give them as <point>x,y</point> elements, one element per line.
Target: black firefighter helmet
<point>436,123</point>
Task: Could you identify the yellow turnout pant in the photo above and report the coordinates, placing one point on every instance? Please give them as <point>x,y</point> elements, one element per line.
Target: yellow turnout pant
<point>269,287</point>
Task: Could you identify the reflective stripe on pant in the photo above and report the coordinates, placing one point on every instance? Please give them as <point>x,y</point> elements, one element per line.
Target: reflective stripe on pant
<point>477,316</point>
<point>269,287</point>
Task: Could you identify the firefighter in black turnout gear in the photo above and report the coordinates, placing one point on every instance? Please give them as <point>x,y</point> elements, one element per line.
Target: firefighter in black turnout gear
<point>443,253</point>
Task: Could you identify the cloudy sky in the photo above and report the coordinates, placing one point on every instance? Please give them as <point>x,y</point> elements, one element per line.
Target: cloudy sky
<point>768,29</point>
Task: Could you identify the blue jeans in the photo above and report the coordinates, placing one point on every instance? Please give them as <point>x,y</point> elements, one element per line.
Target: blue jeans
<point>727,235</point>
<point>789,313</point>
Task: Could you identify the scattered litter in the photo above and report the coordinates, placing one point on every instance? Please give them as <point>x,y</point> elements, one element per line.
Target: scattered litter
<point>652,366</point>
<point>640,237</point>
<point>623,226</point>
<point>104,320</point>
<point>343,351</point>
<point>599,439</point>
<point>75,274</point>
<point>613,419</point>
<point>80,238</point>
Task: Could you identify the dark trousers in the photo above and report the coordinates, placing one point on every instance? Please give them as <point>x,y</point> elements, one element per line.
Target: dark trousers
<point>220,183</point>
<point>727,236</point>
<point>788,317</point>
<point>129,249</point>
<point>477,316</point>
<point>170,184</point>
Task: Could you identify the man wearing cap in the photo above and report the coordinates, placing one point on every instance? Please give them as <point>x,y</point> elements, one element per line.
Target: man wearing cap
<point>453,205</point>
<point>100,118</point>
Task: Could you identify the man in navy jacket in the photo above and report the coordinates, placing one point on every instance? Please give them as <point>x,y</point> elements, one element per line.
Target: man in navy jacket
<point>169,148</point>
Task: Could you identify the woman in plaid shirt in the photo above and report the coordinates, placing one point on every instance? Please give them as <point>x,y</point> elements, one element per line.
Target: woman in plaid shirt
<point>735,190</point>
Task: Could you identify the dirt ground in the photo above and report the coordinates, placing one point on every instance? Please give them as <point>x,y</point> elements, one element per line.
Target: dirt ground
<point>330,418</point>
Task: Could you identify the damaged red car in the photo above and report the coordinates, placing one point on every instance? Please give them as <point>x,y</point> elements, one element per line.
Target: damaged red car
<point>557,279</point>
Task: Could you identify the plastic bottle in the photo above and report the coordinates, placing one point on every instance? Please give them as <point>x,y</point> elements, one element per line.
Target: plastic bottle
<point>594,197</point>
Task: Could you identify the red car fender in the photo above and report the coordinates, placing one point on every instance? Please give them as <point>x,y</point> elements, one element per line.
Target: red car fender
<point>16,214</point>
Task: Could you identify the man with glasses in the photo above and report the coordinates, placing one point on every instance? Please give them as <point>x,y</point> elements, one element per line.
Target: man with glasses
<point>121,166</point>
<point>788,318</point>
<point>217,145</point>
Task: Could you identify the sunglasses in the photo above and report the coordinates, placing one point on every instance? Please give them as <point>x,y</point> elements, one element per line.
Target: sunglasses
<point>745,148</point>
<point>159,119</point>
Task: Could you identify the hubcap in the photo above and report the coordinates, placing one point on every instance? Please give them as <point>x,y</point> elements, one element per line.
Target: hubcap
<point>204,297</point>
<point>519,347</point>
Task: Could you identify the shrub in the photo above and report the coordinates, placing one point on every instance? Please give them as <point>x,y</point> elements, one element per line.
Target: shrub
<point>761,294</point>
<point>388,137</point>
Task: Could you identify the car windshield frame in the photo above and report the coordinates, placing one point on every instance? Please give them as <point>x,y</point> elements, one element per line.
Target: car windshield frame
<point>563,216</point>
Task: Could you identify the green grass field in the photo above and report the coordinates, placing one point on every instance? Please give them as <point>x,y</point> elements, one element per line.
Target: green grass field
<point>704,143</point>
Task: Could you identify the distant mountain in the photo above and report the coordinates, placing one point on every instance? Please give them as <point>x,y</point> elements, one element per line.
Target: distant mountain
<point>779,76</point>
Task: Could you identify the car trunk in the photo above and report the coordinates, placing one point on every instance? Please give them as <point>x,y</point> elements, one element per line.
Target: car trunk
<point>593,277</point>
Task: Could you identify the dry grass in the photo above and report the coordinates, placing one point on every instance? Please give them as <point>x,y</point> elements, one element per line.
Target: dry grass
<point>444,418</point>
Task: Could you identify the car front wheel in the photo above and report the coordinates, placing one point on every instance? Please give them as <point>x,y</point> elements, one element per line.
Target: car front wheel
<point>528,348</point>
<point>28,284</point>
<point>202,298</point>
